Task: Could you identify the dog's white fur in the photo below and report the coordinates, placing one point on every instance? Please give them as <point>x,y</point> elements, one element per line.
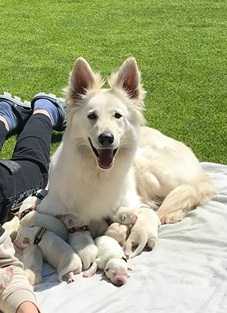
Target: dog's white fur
<point>126,216</point>
<point>54,250</point>
<point>110,259</point>
<point>98,227</point>
<point>32,258</point>
<point>51,223</point>
<point>30,255</point>
<point>12,226</point>
<point>119,232</point>
<point>143,233</point>
<point>148,166</point>
<point>81,241</point>
<point>6,275</point>
<point>29,203</point>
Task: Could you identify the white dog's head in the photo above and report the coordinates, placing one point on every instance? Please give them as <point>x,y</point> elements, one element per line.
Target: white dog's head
<point>116,270</point>
<point>25,236</point>
<point>104,123</point>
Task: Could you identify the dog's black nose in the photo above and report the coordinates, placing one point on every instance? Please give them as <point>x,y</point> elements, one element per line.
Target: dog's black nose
<point>106,139</point>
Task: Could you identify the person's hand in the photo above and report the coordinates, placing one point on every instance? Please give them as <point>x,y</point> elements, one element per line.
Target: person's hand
<point>27,307</point>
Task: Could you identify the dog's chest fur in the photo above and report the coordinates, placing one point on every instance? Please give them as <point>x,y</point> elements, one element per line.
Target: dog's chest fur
<point>86,191</point>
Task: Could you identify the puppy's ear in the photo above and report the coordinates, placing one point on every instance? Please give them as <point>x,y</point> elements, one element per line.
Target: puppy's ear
<point>82,78</point>
<point>128,78</point>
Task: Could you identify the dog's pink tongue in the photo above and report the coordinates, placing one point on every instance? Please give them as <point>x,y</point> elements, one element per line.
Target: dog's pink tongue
<point>105,158</point>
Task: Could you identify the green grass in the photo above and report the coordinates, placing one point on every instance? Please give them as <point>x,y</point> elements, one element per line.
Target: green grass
<point>181,47</point>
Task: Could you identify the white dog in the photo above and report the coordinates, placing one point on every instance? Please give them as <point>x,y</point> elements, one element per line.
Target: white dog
<point>144,232</point>
<point>108,159</point>
<point>111,260</point>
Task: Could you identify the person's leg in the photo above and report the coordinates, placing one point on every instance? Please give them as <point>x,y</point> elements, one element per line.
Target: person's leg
<point>13,115</point>
<point>3,132</point>
<point>27,171</point>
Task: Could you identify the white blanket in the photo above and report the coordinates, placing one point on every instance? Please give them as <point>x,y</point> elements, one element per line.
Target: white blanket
<point>185,273</point>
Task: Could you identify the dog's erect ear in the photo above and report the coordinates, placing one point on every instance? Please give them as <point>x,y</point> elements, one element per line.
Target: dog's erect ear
<point>82,78</point>
<point>128,78</point>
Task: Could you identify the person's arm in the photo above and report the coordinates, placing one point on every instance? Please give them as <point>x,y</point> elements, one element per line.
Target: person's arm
<point>18,296</point>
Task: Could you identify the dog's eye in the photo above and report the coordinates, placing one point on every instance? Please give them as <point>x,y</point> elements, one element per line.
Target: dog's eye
<point>92,116</point>
<point>106,270</point>
<point>117,115</point>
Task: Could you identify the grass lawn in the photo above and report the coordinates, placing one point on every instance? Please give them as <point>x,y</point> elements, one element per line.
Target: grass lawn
<point>181,47</point>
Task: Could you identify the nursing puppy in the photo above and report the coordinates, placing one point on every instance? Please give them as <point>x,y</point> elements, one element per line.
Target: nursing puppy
<point>81,241</point>
<point>54,250</point>
<point>51,223</point>
<point>32,258</point>
<point>126,216</point>
<point>119,232</point>
<point>11,227</point>
<point>111,260</point>
<point>144,231</point>
<point>106,150</point>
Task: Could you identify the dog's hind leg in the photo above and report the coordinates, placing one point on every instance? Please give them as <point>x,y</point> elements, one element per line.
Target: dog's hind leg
<point>174,217</point>
<point>183,199</point>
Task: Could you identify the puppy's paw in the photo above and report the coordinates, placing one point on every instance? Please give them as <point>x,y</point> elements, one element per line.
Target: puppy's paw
<point>91,271</point>
<point>69,277</point>
<point>127,249</point>
<point>173,218</point>
<point>151,243</point>
<point>88,256</point>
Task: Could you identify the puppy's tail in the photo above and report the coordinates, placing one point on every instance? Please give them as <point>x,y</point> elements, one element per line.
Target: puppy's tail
<point>186,197</point>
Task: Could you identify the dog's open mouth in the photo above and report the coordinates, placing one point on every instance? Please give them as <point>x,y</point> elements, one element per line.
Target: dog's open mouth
<point>105,156</point>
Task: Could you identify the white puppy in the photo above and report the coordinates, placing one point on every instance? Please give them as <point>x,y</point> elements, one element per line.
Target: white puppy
<point>111,259</point>
<point>32,258</point>
<point>119,232</point>
<point>12,226</point>
<point>54,250</point>
<point>144,231</point>
<point>80,240</point>
<point>50,222</point>
<point>126,216</point>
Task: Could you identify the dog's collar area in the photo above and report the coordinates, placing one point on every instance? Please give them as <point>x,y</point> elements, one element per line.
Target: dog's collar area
<point>39,235</point>
<point>76,229</point>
